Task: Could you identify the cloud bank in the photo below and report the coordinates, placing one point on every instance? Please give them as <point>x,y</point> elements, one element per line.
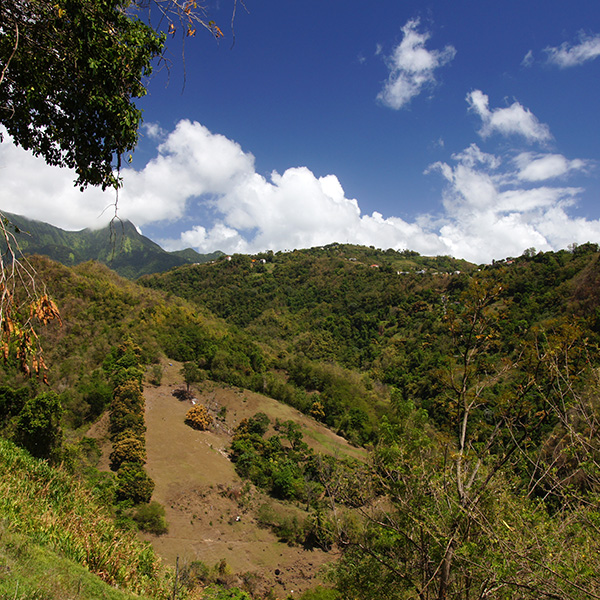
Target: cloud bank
<point>412,67</point>
<point>489,215</point>
<point>492,205</point>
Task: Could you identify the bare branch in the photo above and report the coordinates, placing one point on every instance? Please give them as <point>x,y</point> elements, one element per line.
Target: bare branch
<point>12,53</point>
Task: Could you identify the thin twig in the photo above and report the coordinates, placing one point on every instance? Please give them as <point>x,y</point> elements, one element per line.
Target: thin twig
<point>14,51</point>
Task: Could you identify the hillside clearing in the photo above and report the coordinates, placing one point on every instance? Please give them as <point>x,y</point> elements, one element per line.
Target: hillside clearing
<point>211,511</point>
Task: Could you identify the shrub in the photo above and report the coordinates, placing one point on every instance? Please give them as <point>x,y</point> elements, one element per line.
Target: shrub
<point>198,418</point>
<point>134,484</point>
<point>321,593</point>
<point>128,449</point>
<point>127,425</point>
<point>127,409</point>
<point>286,479</point>
<point>129,393</point>
<point>38,425</point>
<point>194,574</point>
<point>218,593</point>
<point>259,423</point>
<point>130,374</point>
<point>151,518</point>
<point>317,411</point>
<point>284,523</point>
<point>191,373</point>
<point>155,375</point>
<point>320,531</point>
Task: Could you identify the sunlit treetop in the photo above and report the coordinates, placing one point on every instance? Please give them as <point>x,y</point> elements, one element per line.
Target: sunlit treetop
<point>70,71</point>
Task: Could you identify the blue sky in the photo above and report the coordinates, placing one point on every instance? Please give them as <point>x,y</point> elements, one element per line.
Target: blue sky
<point>468,128</point>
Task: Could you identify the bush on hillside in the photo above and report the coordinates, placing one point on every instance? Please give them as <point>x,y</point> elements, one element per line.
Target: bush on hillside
<point>195,574</point>
<point>128,425</point>
<point>121,376</point>
<point>151,518</point>
<point>155,375</point>
<point>134,484</point>
<point>321,593</point>
<point>38,427</point>
<point>127,410</point>
<point>129,393</point>
<point>127,449</point>
<point>198,418</point>
<point>218,593</point>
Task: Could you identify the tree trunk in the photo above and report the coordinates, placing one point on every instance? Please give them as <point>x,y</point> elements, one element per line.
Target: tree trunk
<point>445,572</point>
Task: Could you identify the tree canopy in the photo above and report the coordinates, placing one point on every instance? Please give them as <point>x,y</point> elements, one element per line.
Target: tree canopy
<point>70,72</point>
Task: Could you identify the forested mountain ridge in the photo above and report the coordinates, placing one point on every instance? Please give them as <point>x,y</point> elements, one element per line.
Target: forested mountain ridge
<point>383,313</point>
<point>120,246</point>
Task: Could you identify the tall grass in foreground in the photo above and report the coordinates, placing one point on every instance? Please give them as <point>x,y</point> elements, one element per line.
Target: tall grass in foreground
<point>53,510</point>
<point>30,572</point>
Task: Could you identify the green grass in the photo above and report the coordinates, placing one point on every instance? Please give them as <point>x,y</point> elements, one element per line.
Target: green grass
<point>31,572</point>
<point>53,515</point>
<point>332,446</point>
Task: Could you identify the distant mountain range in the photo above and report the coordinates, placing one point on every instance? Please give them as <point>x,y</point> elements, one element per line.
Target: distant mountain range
<point>119,246</point>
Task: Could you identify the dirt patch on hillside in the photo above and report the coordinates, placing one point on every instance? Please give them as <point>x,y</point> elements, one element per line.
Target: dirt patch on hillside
<point>210,510</point>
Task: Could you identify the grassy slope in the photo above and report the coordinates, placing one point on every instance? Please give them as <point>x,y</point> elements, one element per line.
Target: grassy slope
<point>55,538</point>
<point>203,495</point>
<point>30,571</point>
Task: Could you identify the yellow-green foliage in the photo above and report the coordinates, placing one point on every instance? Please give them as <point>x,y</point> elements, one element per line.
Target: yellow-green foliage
<point>133,483</point>
<point>198,418</point>
<point>54,511</point>
<point>127,426</point>
<point>128,449</point>
<point>130,394</point>
<point>30,571</point>
<point>130,391</point>
<point>127,411</point>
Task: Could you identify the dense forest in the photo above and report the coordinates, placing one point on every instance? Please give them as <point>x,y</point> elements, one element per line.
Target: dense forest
<point>473,388</point>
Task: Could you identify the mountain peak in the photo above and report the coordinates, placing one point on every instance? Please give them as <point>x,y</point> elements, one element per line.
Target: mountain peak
<point>119,245</point>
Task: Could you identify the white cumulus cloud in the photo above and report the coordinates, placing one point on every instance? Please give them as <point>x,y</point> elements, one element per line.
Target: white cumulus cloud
<point>492,206</point>
<point>30,187</point>
<point>487,216</point>
<point>412,67</point>
<point>540,167</point>
<point>512,120</point>
<point>190,162</point>
<point>568,55</point>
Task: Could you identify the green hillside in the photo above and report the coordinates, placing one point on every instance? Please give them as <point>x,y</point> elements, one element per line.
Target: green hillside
<point>329,309</point>
<point>474,389</point>
<point>59,542</point>
<point>120,246</point>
